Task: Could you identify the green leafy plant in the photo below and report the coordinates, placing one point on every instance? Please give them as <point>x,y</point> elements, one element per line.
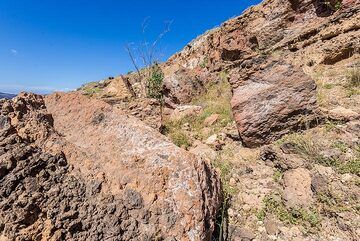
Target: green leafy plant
<point>338,5</point>
<point>154,83</point>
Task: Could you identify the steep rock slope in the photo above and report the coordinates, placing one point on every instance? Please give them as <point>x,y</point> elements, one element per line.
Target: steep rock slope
<point>76,169</point>
<point>270,52</point>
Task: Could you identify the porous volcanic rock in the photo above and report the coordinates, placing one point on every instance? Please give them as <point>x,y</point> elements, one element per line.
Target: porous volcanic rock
<point>77,169</point>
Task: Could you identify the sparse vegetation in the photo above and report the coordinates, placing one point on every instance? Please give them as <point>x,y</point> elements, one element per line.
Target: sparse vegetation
<point>353,81</point>
<point>215,101</point>
<point>331,125</point>
<point>311,150</point>
<point>273,204</point>
<point>91,91</point>
<point>351,166</point>
<point>204,63</point>
<point>277,175</point>
<point>308,149</point>
<point>174,130</point>
<point>225,168</point>
<point>154,83</point>
<point>338,5</point>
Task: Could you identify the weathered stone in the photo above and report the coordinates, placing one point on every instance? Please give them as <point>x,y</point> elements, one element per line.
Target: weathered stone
<point>209,121</point>
<point>204,151</point>
<point>182,85</point>
<point>183,111</point>
<point>271,102</point>
<point>297,190</point>
<point>342,114</point>
<point>77,176</point>
<point>271,226</point>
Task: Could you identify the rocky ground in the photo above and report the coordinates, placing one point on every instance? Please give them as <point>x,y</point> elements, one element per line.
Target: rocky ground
<point>268,102</point>
<point>285,75</point>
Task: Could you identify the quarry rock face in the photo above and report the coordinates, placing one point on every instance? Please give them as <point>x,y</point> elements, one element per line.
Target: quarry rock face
<point>269,53</point>
<point>72,168</point>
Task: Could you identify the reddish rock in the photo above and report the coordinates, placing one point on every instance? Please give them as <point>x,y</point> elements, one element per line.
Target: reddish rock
<point>272,102</point>
<point>89,172</point>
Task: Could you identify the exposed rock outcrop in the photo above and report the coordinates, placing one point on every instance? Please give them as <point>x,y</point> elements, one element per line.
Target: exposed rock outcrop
<point>270,52</point>
<point>77,169</point>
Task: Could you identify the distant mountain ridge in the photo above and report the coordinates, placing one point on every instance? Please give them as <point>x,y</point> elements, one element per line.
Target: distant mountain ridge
<point>6,95</point>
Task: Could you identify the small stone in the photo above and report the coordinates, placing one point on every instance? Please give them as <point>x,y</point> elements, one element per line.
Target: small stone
<point>271,227</point>
<point>185,111</point>
<point>319,184</point>
<point>212,140</point>
<point>346,178</point>
<point>246,234</point>
<point>297,191</point>
<point>209,121</point>
<point>204,151</point>
<point>231,212</point>
<point>342,114</point>
<point>232,182</point>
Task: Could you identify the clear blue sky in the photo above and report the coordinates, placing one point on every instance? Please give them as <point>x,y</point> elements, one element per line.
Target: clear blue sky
<point>48,45</point>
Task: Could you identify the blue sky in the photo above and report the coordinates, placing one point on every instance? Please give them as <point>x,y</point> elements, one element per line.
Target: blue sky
<point>48,45</point>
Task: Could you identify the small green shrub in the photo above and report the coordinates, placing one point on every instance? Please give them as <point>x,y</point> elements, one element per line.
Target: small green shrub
<point>338,5</point>
<point>204,63</point>
<point>155,83</point>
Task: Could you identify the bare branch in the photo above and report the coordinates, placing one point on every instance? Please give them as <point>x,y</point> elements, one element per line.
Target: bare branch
<point>128,49</point>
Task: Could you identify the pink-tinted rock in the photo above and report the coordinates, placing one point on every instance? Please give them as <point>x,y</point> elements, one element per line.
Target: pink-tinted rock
<point>272,102</point>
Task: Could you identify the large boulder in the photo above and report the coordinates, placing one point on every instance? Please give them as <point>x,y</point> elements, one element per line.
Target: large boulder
<point>272,102</point>
<point>74,168</point>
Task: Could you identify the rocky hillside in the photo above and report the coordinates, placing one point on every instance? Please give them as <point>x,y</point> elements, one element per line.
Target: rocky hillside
<point>260,140</point>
